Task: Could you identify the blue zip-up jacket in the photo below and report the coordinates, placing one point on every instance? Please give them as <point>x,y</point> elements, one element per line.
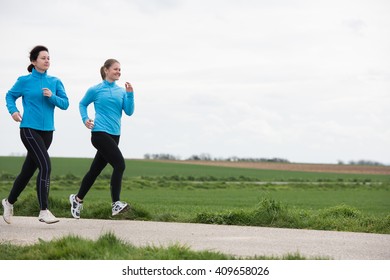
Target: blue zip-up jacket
<point>38,110</point>
<point>109,101</point>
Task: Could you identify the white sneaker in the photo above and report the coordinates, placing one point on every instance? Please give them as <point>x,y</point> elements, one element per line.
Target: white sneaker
<point>75,206</point>
<point>119,207</point>
<point>47,217</point>
<point>8,210</point>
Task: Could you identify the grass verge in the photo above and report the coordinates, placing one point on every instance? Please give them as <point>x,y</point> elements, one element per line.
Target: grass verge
<point>109,247</point>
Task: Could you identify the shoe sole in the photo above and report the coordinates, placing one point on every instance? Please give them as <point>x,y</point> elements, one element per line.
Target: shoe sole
<point>125,209</point>
<point>8,222</point>
<point>49,222</point>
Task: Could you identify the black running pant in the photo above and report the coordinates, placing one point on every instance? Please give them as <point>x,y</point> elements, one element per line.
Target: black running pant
<point>107,152</point>
<point>37,143</point>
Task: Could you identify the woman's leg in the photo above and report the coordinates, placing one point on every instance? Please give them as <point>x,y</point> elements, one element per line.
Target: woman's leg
<point>21,181</point>
<point>107,146</point>
<point>37,144</point>
<point>97,166</point>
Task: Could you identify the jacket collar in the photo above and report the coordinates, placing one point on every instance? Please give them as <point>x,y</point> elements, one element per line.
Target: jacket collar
<point>35,73</point>
<point>109,84</point>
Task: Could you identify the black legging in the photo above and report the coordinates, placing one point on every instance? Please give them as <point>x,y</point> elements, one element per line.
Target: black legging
<point>37,143</point>
<point>107,152</point>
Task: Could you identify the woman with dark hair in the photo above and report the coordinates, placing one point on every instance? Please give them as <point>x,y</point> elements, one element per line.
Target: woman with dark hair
<point>40,94</point>
<point>109,101</point>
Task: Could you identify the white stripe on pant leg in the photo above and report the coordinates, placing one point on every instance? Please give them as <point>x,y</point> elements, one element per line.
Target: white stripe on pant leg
<point>40,163</point>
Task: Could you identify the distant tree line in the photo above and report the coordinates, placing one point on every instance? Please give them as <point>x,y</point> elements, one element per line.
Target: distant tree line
<point>161,157</point>
<point>362,162</point>
<point>208,157</point>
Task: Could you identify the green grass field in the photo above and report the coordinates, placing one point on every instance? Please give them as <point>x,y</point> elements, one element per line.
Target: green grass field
<point>208,194</point>
<point>200,194</point>
<point>139,168</point>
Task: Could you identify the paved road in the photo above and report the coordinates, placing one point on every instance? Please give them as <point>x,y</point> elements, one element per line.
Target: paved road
<point>235,240</point>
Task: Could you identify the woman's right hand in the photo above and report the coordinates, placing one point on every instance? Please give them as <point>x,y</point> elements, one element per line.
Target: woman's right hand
<point>17,116</point>
<point>89,124</point>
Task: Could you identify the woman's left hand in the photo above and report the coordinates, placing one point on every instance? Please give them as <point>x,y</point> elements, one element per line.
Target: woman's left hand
<point>128,86</point>
<point>47,92</point>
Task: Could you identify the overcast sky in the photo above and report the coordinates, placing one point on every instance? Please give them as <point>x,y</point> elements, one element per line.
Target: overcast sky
<point>307,81</point>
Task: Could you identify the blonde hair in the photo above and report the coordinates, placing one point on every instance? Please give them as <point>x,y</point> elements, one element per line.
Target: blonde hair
<point>107,64</point>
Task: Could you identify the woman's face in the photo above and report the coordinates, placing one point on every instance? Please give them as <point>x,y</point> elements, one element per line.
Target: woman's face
<point>43,62</point>
<point>113,73</point>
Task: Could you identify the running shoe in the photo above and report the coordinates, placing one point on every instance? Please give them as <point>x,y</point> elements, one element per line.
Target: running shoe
<point>119,207</point>
<point>8,210</point>
<point>75,206</point>
<point>47,217</point>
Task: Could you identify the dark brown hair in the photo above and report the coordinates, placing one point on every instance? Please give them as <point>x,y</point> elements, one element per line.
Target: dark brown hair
<point>107,64</point>
<point>34,56</point>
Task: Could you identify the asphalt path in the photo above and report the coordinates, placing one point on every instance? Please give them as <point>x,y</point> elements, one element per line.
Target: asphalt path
<point>233,240</point>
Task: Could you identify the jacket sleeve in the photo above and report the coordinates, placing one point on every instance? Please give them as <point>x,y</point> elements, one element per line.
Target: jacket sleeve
<point>83,105</point>
<point>59,98</point>
<point>12,95</point>
<point>128,103</point>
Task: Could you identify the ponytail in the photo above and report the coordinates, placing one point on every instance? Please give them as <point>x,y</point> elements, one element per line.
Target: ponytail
<point>30,68</point>
<point>102,73</point>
